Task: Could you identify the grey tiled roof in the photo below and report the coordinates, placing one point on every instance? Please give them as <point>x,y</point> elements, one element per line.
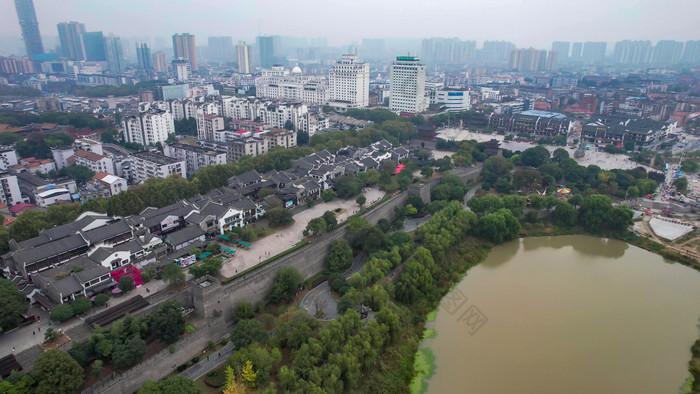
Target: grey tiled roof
<point>181,236</point>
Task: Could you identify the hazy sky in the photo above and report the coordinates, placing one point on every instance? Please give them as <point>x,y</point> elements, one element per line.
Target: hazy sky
<point>524,22</point>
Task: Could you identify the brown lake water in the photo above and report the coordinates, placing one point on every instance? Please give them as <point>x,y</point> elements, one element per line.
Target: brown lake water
<point>568,314</point>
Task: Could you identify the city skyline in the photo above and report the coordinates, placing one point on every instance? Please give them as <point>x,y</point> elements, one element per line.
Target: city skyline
<point>348,24</point>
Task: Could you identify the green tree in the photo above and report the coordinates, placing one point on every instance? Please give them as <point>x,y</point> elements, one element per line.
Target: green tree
<point>426,171</point>
<point>279,217</point>
<point>330,220</point>
<point>14,304</point>
<point>499,226</point>
<point>347,186</point>
<point>339,256</point>
<point>57,372</point>
<point>263,360</point>
<point>535,156</point>
<point>247,331</point>
<point>361,200</point>
<point>81,174</point>
<point>81,305</point>
<point>61,312</point>
<point>126,283</point>
<point>327,195</point>
<point>559,155</point>
<point>316,226</point>
<point>681,185</point>
<point>128,352</point>
<point>167,323</point>
<point>499,165</point>
<point>690,166</point>
<point>172,273</point>
<point>243,310</point>
<point>96,370</point>
<point>285,285</point>
<point>595,211</point>
<point>565,214</point>
<point>51,335</point>
<point>209,266</point>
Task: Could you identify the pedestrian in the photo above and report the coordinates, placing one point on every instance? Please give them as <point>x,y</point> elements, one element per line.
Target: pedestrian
<point>39,329</point>
<point>13,349</point>
<point>33,332</point>
<point>219,353</point>
<point>207,358</point>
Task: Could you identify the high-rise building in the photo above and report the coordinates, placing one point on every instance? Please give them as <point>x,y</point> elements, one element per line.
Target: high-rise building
<point>245,58</point>
<point>407,85</point>
<point>632,52</point>
<point>185,46</point>
<point>94,45</point>
<point>667,52</point>
<point>70,36</point>
<point>577,52</point>
<point>182,70</point>
<point>691,52</point>
<point>529,59</point>
<point>348,81</point>
<point>220,48</point>
<point>149,127</point>
<point>594,52</point>
<point>496,51</point>
<point>160,62</point>
<point>266,51</point>
<point>115,54</point>
<point>447,51</point>
<point>562,50</point>
<point>143,56</point>
<point>30,27</point>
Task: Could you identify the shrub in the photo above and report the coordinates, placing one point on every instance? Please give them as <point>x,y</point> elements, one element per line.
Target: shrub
<point>243,310</point>
<point>81,305</point>
<point>100,299</point>
<point>126,283</point>
<point>96,368</point>
<point>190,328</point>
<point>171,348</point>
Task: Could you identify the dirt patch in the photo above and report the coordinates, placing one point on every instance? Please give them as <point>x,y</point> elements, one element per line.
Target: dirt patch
<point>60,341</point>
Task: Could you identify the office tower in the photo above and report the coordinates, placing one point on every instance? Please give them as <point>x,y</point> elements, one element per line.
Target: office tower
<point>594,52</point>
<point>245,58</point>
<point>632,52</point>
<point>160,62</point>
<point>266,51</point>
<point>496,51</point>
<point>94,46</point>
<point>529,59</point>
<point>70,36</point>
<point>407,85</point>
<point>667,52</point>
<point>576,52</point>
<point>220,48</point>
<point>182,69</point>
<point>143,56</point>
<point>115,54</point>
<point>562,50</point>
<point>691,52</point>
<point>185,46</point>
<point>348,82</point>
<point>30,27</point>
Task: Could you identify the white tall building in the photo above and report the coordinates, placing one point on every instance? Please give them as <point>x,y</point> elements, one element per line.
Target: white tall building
<point>182,70</point>
<point>408,85</point>
<point>245,58</point>
<point>148,128</point>
<point>10,193</point>
<point>348,82</point>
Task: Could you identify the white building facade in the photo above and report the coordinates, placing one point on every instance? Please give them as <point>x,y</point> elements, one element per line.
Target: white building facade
<point>407,85</point>
<point>348,82</point>
<point>148,128</point>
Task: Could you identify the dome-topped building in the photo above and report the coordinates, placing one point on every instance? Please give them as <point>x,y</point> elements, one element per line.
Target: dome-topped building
<point>296,70</point>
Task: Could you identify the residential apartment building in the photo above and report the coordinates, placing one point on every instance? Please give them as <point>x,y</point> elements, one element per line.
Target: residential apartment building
<point>110,182</point>
<point>185,46</point>
<point>277,114</point>
<point>348,82</point>
<point>407,85</point>
<point>93,161</point>
<point>8,157</point>
<point>149,127</point>
<point>195,157</point>
<point>146,165</point>
<point>208,124</point>
<point>10,193</point>
<point>245,58</point>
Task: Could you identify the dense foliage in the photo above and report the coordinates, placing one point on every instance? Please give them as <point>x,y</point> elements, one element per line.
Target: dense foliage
<point>13,303</point>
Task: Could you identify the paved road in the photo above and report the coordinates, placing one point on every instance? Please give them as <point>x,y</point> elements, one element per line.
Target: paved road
<point>205,365</point>
<point>323,292</point>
